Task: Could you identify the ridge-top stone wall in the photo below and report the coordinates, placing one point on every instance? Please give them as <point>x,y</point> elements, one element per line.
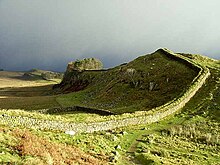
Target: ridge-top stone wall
<point>141,117</point>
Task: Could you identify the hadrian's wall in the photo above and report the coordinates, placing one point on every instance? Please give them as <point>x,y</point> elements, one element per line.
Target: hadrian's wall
<point>137,118</point>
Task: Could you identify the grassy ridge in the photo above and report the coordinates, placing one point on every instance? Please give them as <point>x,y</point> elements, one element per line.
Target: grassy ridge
<point>187,138</point>
<point>191,137</point>
<point>155,80</point>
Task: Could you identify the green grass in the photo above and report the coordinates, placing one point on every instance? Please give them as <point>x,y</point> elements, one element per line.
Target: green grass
<point>21,146</point>
<point>73,117</point>
<point>28,98</point>
<point>189,137</point>
<point>7,154</point>
<point>29,103</point>
<point>119,91</point>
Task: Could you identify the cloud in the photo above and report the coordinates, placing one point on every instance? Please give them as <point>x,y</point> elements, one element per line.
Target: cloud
<point>49,34</point>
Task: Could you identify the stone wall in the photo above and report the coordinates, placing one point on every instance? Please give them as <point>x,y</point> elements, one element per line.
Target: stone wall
<point>141,117</point>
<point>78,109</point>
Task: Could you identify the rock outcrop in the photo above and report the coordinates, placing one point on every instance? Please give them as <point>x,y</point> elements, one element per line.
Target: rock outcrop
<point>85,64</point>
<point>51,75</point>
<point>73,79</point>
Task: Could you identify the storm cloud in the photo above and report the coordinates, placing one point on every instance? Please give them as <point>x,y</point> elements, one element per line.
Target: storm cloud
<point>48,34</point>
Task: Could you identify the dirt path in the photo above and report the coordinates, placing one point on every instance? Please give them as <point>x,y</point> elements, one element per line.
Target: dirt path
<point>132,149</point>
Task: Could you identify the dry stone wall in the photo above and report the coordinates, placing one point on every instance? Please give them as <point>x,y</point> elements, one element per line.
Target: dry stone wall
<point>135,119</point>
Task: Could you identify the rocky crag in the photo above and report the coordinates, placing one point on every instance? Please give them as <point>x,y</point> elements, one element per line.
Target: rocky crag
<point>72,80</point>
<point>147,82</point>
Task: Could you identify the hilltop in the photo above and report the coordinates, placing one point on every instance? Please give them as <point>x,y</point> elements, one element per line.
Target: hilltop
<point>142,84</point>
<point>37,74</point>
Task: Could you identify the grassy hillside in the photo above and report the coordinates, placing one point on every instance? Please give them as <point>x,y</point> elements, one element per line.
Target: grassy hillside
<point>189,137</point>
<point>37,74</point>
<point>147,82</point>
<point>21,146</point>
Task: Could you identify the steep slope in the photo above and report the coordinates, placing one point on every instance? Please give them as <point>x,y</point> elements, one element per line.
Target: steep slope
<point>147,82</point>
<point>190,137</point>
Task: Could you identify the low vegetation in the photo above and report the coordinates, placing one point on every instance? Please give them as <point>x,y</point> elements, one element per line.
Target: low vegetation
<point>37,74</point>
<point>25,147</point>
<point>189,137</point>
<point>17,92</point>
<point>145,83</point>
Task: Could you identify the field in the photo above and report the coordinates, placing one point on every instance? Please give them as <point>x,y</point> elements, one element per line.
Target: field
<point>17,92</point>
<point>23,146</point>
<point>190,136</point>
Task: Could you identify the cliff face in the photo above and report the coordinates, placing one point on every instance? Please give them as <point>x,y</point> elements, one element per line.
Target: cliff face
<point>73,79</point>
<point>85,64</point>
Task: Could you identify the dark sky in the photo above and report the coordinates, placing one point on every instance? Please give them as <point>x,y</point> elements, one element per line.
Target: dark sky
<point>48,34</point>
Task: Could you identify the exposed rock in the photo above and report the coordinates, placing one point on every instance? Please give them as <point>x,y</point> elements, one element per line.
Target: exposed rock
<point>74,79</point>
<point>35,74</point>
<point>123,133</point>
<point>146,150</point>
<point>115,153</point>
<point>145,128</point>
<point>151,87</point>
<point>118,147</point>
<point>70,133</point>
<point>115,157</point>
<point>51,75</point>
<point>115,138</point>
<point>85,64</point>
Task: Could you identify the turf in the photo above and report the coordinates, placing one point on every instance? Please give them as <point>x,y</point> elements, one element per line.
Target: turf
<point>120,91</point>
<point>190,137</point>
